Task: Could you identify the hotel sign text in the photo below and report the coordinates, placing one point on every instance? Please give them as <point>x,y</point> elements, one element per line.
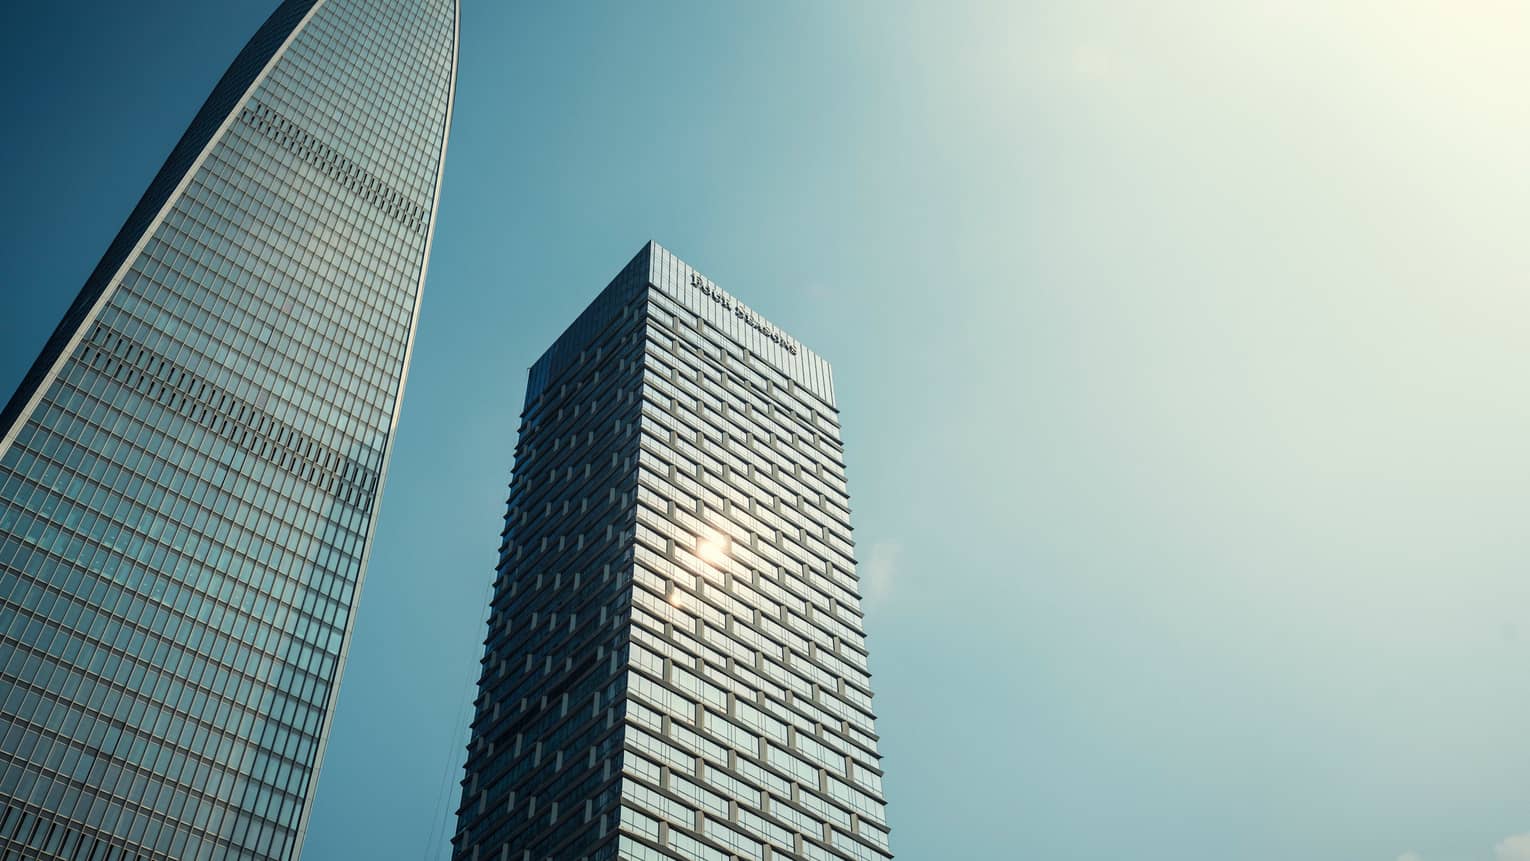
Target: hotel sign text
<point>750,319</point>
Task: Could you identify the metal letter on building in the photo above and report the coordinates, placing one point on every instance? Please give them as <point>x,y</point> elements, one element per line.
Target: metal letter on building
<point>189,473</point>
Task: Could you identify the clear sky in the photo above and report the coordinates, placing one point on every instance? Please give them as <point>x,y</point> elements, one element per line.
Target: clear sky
<point>1183,351</point>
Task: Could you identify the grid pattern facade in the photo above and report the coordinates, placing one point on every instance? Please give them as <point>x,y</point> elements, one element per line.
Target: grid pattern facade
<point>189,474</point>
<point>723,705</point>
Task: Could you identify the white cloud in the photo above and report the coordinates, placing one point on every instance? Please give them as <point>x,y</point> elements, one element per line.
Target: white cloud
<point>1516,848</point>
<point>879,569</point>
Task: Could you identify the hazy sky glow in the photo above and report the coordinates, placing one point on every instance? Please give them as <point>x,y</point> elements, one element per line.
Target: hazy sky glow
<point>1183,351</point>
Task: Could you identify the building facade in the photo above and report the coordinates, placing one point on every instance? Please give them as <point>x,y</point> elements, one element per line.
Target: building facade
<point>675,664</point>
<point>189,473</point>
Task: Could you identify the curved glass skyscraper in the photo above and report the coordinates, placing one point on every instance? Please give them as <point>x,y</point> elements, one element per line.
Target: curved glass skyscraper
<point>189,472</point>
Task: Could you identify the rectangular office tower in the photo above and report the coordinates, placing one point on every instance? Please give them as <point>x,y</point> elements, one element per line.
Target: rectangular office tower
<point>189,473</point>
<point>675,665</point>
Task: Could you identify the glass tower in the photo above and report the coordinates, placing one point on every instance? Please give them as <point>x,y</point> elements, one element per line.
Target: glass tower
<point>189,473</point>
<point>675,664</point>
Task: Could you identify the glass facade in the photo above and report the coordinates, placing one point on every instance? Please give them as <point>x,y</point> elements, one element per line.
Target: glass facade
<point>676,664</point>
<point>189,473</point>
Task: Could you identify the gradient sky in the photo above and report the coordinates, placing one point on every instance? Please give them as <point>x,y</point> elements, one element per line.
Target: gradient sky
<point>1183,351</point>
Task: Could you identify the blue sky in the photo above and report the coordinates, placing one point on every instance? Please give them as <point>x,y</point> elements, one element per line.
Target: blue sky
<point>1181,353</point>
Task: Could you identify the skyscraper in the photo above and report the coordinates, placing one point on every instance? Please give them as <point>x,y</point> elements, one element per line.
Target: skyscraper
<point>189,472</point>
<point>675,665</point>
